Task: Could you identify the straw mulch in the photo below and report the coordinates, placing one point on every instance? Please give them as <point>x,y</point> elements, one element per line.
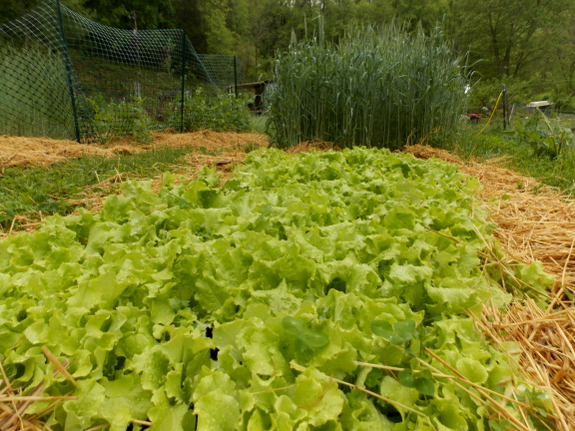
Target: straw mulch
<point>535,223</point>
<point>307,146</point>
<point>14,403</point>
<point>212,142</point>
<point>20,151</point>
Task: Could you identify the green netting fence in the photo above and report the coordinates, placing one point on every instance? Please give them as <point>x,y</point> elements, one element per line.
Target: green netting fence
<point>64,76</point>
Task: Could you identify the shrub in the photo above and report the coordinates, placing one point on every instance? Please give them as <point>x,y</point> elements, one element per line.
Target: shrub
<point>546,139</point>
<point>220,112</point>
<point>113,119</point>
<point>378,87</point>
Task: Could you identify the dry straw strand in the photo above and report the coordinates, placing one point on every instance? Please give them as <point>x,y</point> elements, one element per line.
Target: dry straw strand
<point>14,405</point>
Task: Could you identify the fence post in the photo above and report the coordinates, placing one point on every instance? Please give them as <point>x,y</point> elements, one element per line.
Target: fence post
<point>235,76</point>
<point>504,92</point>
<point>184,39</point>
<point>68,64</point>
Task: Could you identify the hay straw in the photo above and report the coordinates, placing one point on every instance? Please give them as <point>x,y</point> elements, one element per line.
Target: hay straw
<point>535,223</point>
<point>212,141</point>
<point>14,404</point>
<point>61,368</point>
<point>307,146</point>
<point>20,151</point>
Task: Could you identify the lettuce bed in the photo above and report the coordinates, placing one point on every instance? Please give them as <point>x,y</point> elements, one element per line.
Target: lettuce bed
<point>251,305</point>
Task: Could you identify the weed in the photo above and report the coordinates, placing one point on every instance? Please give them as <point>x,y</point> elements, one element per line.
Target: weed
<point>112,119</point>
<point>548,140</point>
<point>258,123</point>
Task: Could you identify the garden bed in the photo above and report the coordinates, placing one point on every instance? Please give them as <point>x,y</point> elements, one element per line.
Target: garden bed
<point>534,225</point>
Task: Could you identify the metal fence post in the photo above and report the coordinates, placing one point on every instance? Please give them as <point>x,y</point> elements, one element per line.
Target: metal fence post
<point>184,40</point>
<point>235,76</point>
<point>504,107</point>
<point>68,64</point>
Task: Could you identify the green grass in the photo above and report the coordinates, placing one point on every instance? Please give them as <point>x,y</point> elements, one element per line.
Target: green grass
<point>567,121</point>
<point>41,191</point>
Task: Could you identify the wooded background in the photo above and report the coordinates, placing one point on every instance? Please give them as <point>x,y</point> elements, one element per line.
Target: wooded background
<point>527,44</point>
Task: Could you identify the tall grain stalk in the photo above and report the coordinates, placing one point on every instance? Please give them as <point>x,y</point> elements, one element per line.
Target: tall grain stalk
<point>378,87</point>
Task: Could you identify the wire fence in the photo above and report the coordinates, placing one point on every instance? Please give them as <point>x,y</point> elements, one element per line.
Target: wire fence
<point>64,76</point>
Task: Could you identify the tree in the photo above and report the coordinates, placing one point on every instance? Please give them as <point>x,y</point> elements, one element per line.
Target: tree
<point>261,39</point>
<point>507,36</point>
<point>189,17</point>
<point>127,14</point>
<point>425,13</point>
<point>12,9</point>
<point>374,11</point>
<point>561,56</point>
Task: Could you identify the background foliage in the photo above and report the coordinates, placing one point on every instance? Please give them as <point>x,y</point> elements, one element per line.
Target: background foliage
<point>508,39</point>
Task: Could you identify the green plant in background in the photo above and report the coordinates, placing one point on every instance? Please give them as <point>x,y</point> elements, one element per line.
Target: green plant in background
<point>378,87</point>
<point>141,122</point>
<point>34,94</point>
<point>112,119</point>
<point>557,171</point>
<point>203,110</point>
<point>545,138</point>
<point>258,123</point>
<point>484,92</point>
<point>219,111</point>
